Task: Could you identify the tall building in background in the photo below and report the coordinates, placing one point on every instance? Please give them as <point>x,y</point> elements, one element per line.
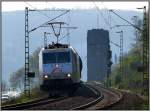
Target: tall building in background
<point>98,55</point>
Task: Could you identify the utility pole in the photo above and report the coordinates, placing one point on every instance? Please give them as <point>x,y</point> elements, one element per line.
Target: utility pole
<point>121,52</point>
<point>115,56</point>
<point>26,79</point>
<point>29,74</point>
<point>135,20</point>
<point>45,39</point>
<point>145,41</point>
<point>97,21</point>
<point>125,20</point>
<point>145,52</point>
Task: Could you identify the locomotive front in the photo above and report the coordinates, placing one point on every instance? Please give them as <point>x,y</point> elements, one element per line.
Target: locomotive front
<point>57,68</point>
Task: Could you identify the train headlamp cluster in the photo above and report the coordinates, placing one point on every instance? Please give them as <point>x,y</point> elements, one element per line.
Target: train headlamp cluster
<point>57,65</point>
<point>68,75</point>
<point>46,76</point>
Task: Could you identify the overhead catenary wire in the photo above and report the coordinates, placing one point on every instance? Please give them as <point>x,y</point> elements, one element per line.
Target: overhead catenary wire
<point>49,21</point>
<point>105,20</point>
<point>27,31</point>
<point>66,35</point>
<point>115,44</point>
<point>106,12</point>
<point>64,27</point>
<point>37,10</point>
<point>67,29</point>
<point>109,17</point>
<point>41,12</point>
<point>126,20</point>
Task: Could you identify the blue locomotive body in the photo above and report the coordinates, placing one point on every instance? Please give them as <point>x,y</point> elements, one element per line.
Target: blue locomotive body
<point>59,67</point>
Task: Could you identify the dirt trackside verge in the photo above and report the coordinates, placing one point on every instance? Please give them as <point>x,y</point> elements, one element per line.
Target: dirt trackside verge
<point>130,101</point>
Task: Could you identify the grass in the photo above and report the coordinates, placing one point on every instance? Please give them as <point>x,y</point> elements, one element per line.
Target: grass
<point>145,105</point>
<point>35,94</point>
<point>20,99</point>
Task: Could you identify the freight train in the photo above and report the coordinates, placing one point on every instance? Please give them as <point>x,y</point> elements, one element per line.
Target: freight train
<point>60,67</point>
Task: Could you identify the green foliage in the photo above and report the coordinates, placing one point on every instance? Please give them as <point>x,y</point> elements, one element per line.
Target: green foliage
<point>131,78</point>
<point>145,103</point>
<point>17,78</point>
<point>3,85</point>
<point>117,79</point>
<point>35,94</point>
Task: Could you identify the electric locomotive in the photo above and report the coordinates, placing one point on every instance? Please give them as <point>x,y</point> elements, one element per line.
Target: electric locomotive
<point>60,66</point>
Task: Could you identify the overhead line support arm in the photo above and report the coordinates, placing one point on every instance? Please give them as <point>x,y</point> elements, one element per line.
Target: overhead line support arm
<point>126,20</point>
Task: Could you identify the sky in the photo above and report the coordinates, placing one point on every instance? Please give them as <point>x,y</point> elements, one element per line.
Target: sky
<point>13,6</point>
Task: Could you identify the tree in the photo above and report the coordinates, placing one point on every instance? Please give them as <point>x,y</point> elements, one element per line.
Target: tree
<point>118,79</point>
<point>17,78</point>
<point>133,80</point>
<point>3,86</point>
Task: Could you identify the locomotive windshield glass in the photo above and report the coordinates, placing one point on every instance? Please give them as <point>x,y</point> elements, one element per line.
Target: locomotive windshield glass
<point>56,57</point>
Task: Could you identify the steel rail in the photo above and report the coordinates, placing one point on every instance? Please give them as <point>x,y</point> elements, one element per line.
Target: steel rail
<point>112,91</point>
<point>98,99</point>
<point>17,104</point>
<point>30,104</point>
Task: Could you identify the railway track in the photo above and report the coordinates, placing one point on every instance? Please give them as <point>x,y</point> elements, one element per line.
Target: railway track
<point>100,96</point>
<point>30,104</point>
<point>90,96</point>
<point>107,97</point>
<point>89,93</point>
<point>111,97</point>
<point>84,97</point>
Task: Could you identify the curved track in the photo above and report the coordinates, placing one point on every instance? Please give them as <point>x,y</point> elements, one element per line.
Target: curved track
<point>96,100</point>
<point>91,95</point>
<point>111,96</point>
<point>84,97</point>
<point>31,104</point>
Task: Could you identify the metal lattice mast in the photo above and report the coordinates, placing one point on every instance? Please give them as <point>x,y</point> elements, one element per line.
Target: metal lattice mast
<point>26,79</point>
<point>45,40</point>
<point>145,52</point>
<point>28,74</point>
<point>121,52</point>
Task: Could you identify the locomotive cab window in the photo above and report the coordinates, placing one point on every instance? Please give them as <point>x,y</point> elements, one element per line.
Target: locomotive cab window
<point>56,57</point>
<point>63,57</point>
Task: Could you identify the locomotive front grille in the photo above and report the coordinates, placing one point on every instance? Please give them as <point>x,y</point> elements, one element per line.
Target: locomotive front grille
<point>57,76</point>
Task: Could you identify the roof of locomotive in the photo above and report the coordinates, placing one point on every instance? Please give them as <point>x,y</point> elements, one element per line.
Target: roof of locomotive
<point>58,47</point>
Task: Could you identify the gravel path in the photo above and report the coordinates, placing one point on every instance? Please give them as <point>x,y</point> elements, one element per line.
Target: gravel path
<point>110,97</point>
<point>130,101</point>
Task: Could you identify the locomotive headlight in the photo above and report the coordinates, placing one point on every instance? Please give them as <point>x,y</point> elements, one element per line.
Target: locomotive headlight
<point>69,75</point>
<point>46,76</point>
<point>57,65</point>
